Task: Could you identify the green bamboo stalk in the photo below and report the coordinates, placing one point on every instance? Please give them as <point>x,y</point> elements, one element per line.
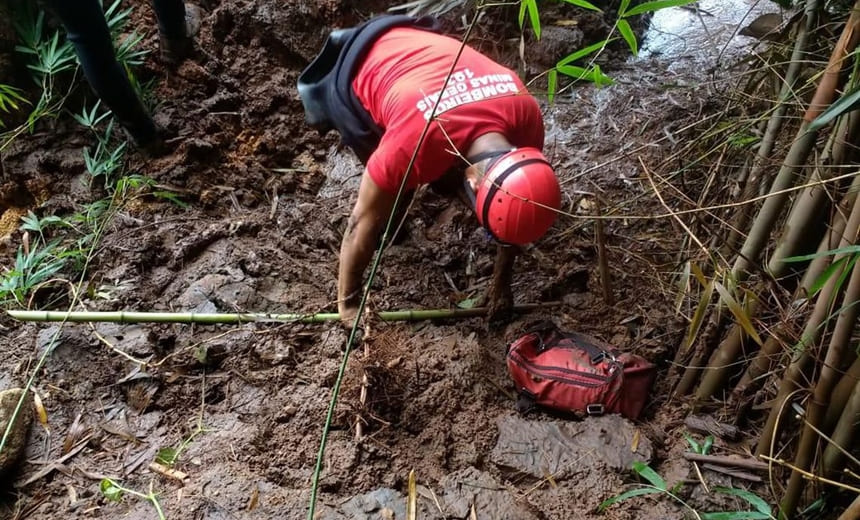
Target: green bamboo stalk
<point>228,318</point>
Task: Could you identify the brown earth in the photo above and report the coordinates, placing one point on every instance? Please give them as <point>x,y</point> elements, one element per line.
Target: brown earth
<point>268,202</point>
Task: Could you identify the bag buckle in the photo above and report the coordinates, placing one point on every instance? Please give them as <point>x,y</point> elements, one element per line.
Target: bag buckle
<point>594,409</point>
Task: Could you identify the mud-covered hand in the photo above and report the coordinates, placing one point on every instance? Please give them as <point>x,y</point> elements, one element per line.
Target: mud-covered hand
<point>500,296</point>
<point>348,311</point>
<point>369,214</point>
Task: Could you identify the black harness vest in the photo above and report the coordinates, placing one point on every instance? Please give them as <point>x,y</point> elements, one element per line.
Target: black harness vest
<point>325,86</point>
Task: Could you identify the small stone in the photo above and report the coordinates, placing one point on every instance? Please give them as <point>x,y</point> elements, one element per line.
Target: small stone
<point>16,443</point>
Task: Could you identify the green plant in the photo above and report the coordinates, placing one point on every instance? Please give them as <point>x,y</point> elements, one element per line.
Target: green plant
<point>91,118</point>
<point>591,72</point>
<point>9,98</point>
<point>169,456</point>
<point>702,449</point>
<point>34,264</point>
<point>113,491</point>
<point>658,486</point>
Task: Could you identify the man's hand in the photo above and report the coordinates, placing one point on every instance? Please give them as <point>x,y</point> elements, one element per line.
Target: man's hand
<point>348,311</point>
<point>500,297</point>
<point>359,242</point>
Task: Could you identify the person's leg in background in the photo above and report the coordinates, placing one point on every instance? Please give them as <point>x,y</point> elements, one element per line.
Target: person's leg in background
<point>87,29</point>
<point>178,23</point>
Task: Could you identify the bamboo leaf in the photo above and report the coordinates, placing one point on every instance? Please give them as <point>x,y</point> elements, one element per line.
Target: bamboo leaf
<point>846,103</point>
<point>694,446</point>
<point>700,276</point>
<point>570,58</point>
<point>831,270</point>
<point>584,5</point>
<point>734,515</point>
<point>699,315</point>
<point>650,475</point>
<point>738,312</point>
<point>756,501</point>
<point>530,7</point>
<point>683,286</point>
<point>627,494</point>
<point>831,252</point>
<point>648,7</point>
<point>627,32</point>
<point>706,446</point>
<point>552,84</point>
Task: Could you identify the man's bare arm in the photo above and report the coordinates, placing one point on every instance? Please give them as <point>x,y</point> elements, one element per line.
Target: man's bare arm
<point>365,224</point>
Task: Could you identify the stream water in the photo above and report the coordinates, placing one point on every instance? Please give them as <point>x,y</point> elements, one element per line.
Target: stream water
<point>704,33</point>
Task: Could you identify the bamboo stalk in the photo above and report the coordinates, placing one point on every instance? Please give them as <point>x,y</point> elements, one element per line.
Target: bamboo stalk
<point>793,377</point>
<point>853,511</point>
<point>826,91</point>
<point>805,214</point>
<point>841,394</point>
<point>775,121</point>
<point>751,464</point>
<point>603,262</point>
<point>764,359</point>
<point>843,435</point>
<point>228,318</point>
<point>753,245</point>
<point>816,408</point>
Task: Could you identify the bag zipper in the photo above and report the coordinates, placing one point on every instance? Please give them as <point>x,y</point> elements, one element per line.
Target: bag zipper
<point>537,368</point>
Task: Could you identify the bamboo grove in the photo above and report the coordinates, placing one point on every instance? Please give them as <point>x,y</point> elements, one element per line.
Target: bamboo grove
<point>772,341</point>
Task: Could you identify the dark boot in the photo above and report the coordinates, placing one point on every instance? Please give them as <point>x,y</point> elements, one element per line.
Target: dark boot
<point>174,51</point>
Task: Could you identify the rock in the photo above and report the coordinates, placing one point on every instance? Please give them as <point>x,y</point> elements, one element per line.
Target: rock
<point>765,27</point>
<point>562,449</point>
<point>468,487</point>
<point>380,504</point>
<point>16,443</point>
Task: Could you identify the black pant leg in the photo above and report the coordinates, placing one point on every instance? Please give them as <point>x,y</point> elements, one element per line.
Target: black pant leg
<point>87,29</point>
<point>171,18</point>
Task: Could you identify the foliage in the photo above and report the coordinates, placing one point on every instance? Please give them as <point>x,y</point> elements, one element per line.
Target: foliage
<point>592,72</point>
<point>10,97</point>
<point>656,485</point>
<point>114,492</point>
<point>63,243</point>
<point>702,449</point>
<point>34,265</point>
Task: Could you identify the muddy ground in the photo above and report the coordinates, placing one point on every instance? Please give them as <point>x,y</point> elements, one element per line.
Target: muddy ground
<point>268,202</point>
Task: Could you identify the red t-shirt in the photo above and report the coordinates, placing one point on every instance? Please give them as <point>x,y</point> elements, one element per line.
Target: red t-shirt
<point>398,84</point>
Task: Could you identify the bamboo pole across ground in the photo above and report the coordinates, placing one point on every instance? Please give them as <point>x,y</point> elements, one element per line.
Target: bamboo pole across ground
<point>227,318</point>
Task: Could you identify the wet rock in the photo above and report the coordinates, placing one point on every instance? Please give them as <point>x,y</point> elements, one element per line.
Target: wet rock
<point>16,443</point>
<point>563,449</point>
<point>468,487</point>
<point>132,339</point>
<point>380,504</point>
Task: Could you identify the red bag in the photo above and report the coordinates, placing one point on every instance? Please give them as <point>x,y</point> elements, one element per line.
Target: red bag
<point>574,373</point>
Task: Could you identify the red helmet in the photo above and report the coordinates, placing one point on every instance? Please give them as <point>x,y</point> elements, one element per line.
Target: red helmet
<point>518,197</point>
